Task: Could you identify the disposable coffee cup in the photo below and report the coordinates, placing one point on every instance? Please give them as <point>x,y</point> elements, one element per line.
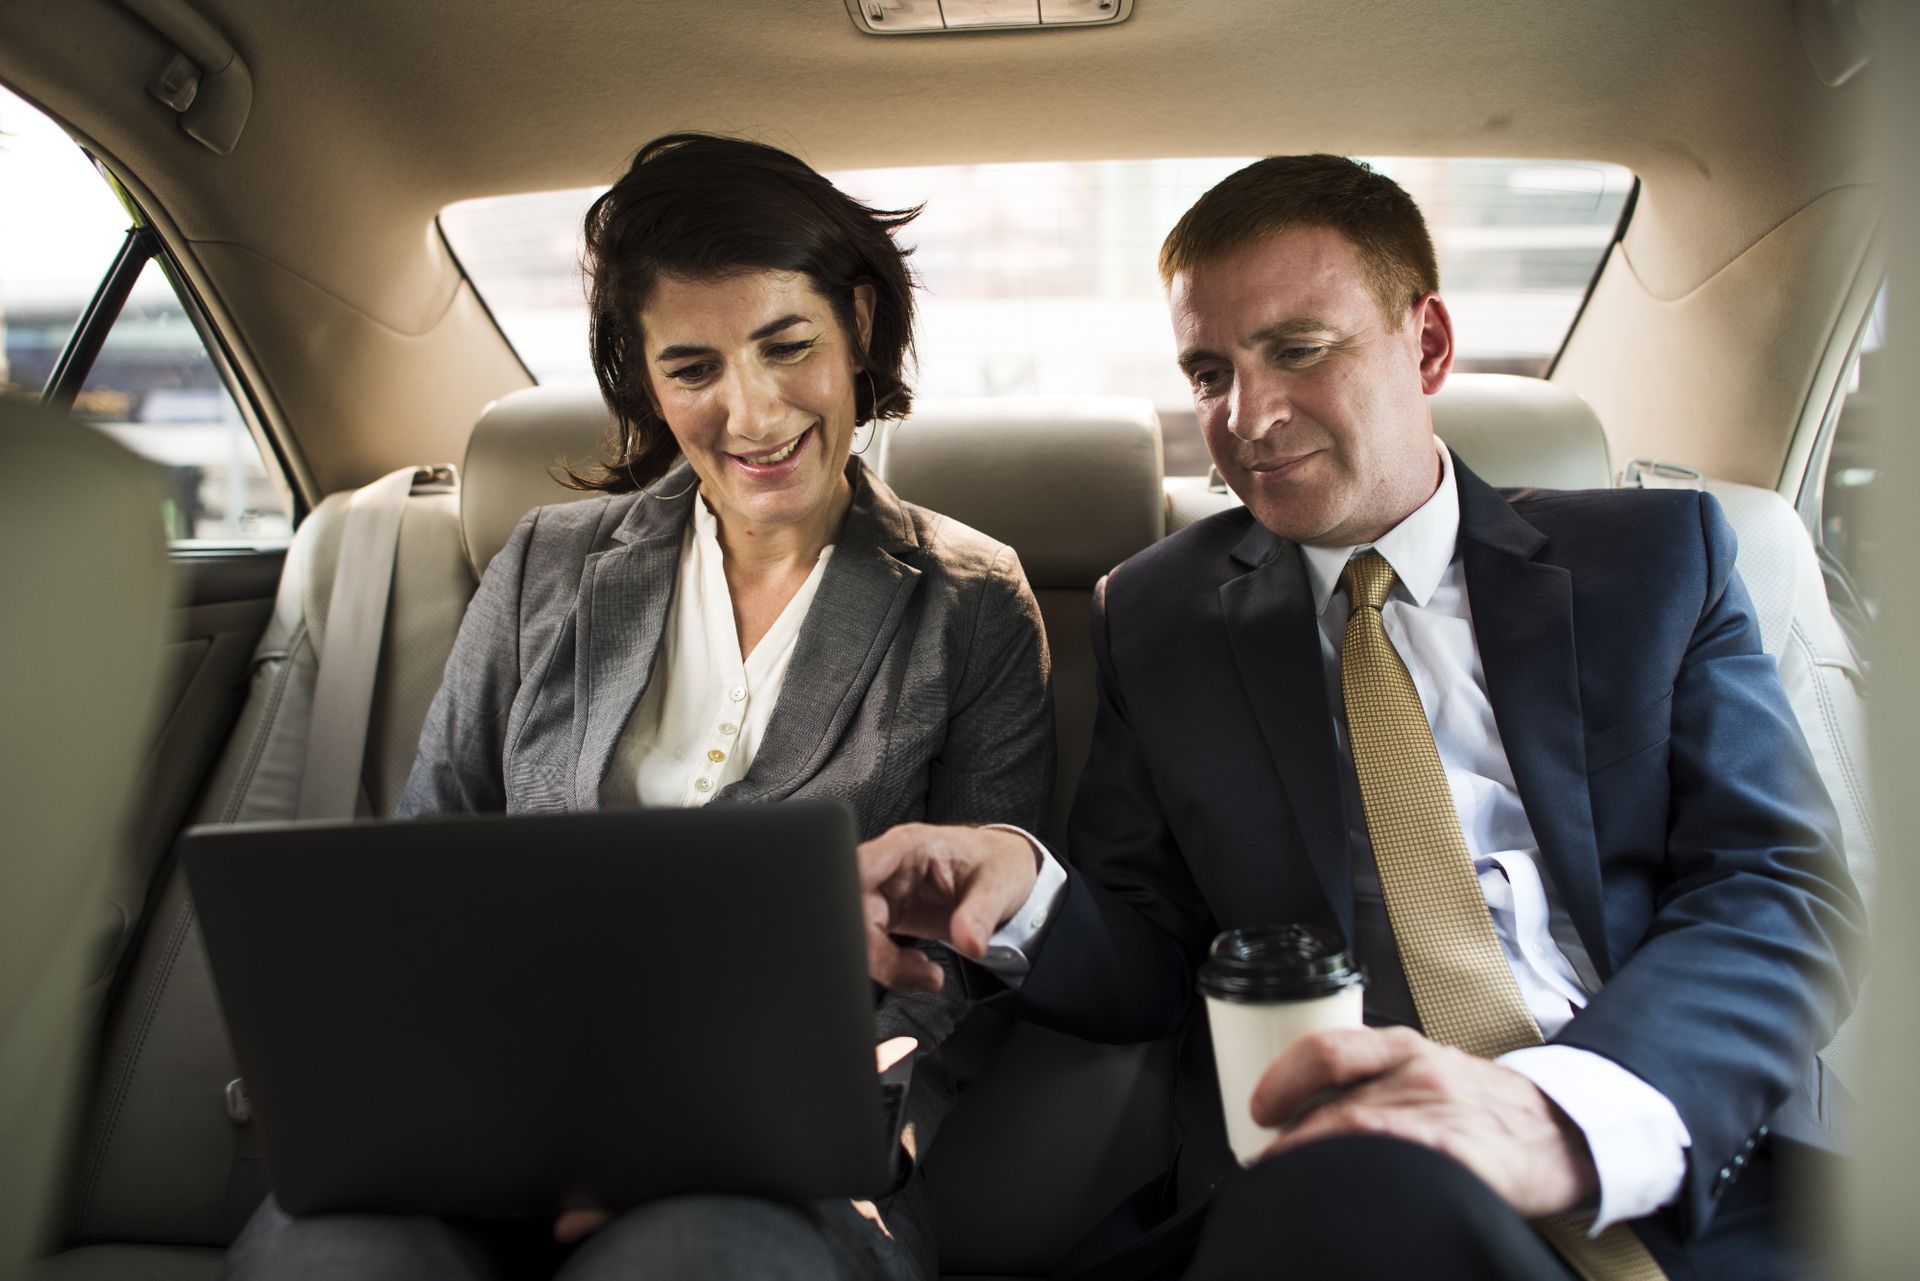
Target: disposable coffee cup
<point>1266,987</point>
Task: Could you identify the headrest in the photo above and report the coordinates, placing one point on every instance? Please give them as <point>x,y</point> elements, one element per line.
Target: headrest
<point>521,441</point>
<point>1517,431</point>
<point>1071,483</point>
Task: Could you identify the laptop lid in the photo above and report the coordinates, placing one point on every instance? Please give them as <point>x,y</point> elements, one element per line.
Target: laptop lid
<point>486,1014</point>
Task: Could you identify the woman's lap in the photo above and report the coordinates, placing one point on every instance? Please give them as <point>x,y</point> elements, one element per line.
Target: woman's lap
<point>671,1239</point>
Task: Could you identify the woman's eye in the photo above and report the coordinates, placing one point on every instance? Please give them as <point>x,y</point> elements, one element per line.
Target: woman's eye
<point>790,350</point>
<point>691,375</point>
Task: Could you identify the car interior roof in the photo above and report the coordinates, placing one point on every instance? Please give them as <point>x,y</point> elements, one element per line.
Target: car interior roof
<point>368,119</point>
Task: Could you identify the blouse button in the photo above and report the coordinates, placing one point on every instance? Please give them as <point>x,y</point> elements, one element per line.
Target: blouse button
<point>738,693</point>
<point>728,727</point>
<point>702,785</point>
<point>716,756</point>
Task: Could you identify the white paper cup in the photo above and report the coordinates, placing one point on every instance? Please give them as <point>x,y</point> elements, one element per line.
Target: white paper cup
<point>1266,987</point>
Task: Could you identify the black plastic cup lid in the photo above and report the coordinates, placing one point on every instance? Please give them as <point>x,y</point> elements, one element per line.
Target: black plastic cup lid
<point>1278,963</point>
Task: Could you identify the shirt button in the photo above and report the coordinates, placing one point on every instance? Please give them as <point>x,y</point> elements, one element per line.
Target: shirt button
<point>738,693</point>
<point>728,727</point>
<point>702,785</point>
<point>716,756</point>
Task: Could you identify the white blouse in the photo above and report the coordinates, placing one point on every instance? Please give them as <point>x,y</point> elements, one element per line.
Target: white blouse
<point>706,708</point>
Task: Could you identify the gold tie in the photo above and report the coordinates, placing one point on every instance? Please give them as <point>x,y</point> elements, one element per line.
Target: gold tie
<point>1462,985</point>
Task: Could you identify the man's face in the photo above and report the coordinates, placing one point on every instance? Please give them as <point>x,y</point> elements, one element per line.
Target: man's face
<point>1312,402</point>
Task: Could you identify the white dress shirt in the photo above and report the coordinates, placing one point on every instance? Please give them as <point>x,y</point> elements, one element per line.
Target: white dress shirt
<point>1636,1137</point>
<point>705,711</point>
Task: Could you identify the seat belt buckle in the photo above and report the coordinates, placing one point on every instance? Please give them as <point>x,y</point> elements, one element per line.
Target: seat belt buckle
<point>439,478</point>
<point>1653,473</point>
<point>239,1106</point>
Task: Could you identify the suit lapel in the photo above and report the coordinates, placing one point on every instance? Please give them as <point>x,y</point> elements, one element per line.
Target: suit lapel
<point>1523,622</point>
<point>862,599</point>
<point>1276,645</point>
<point>625,595</point>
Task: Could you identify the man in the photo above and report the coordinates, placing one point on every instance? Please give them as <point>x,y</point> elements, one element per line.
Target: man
<point>1581,736</point>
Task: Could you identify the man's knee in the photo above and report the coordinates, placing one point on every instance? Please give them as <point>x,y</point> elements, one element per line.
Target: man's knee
<point>351,1247</point>
<point>1365,1206</point>
<point>706,1237</point>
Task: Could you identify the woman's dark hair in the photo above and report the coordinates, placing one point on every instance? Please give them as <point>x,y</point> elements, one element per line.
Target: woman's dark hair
<point>703,207</point>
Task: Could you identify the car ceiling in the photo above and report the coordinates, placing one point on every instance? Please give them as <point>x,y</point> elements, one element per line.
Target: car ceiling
<point>369,117</point>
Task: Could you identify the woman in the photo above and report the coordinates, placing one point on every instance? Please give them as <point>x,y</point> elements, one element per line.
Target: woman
<point>746,614</point>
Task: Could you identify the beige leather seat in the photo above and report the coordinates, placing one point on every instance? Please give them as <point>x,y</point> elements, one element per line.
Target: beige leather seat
<point>164,1175</point>
<point>160,1161</point>
<point>1823,681</point>
<point>1056,1130</point>
<point>85,584</point>
<point>1073,485</point>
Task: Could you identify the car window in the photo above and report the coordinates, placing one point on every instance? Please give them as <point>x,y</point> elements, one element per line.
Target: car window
<point>1853,483</point>
<point>155,390</point>
<point>152,384</point>
<point>1040,278</point>
<point>54,249</point>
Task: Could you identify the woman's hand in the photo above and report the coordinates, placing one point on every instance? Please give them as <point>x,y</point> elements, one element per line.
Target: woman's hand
<point>892,1050</point>
<point>885,1055</point>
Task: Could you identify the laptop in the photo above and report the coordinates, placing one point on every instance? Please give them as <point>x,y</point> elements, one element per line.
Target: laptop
<point>490,1015</point>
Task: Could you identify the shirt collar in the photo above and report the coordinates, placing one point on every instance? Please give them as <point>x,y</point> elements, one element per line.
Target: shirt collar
<point>1419,548</point>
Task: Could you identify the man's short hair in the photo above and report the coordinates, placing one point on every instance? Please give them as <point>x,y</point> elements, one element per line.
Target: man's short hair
<point>1281,193</point>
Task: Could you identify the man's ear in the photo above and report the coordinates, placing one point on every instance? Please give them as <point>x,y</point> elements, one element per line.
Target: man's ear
<point>1433,330</point>
<point>863,300</point>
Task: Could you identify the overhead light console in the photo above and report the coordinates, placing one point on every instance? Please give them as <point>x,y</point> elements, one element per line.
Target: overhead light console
<point>921,17</point>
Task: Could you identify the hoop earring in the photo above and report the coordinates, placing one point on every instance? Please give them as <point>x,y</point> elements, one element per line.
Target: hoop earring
<point>667,498</point>
<point>872,425</point>
<point>627,465</point>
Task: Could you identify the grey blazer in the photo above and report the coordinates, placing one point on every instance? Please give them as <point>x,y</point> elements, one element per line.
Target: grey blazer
<point>917,689</point>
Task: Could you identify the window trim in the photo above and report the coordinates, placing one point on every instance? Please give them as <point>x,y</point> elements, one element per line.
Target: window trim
<point>1593,282</point>
<point>1810,497</point>
<point>89,336</point>
<point>221,355</point>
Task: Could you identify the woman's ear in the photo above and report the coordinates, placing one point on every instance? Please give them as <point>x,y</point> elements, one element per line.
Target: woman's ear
<point>863,300</point>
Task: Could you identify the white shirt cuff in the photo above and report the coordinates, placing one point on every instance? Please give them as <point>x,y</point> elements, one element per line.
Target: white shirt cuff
<point>1011,950</point>
<point>1638,1141</point>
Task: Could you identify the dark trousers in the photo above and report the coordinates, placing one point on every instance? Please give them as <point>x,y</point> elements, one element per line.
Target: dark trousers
<point>1366,1207</point>
<point>1350,1207</point>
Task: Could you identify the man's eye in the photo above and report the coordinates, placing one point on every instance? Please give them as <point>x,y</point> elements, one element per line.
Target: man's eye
<point>692,375</point>
<point>1297,354</point>
<point>1206,381</point>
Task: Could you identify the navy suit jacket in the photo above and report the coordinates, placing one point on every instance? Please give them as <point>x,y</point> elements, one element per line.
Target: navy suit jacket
<point>1679,813</point>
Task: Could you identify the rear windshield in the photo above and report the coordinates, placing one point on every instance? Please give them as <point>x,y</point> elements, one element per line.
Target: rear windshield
<point>1039,278</point>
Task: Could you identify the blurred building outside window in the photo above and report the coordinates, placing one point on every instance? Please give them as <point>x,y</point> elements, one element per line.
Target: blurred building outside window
<point>1040,279</point>
<point>1853,486</point>
<point>153,386</point>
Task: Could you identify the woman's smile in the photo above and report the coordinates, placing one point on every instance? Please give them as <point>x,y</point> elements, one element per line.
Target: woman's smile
<point>774,463</point>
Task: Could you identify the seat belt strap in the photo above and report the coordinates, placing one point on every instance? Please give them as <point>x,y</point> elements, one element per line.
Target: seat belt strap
<point>350,661</point>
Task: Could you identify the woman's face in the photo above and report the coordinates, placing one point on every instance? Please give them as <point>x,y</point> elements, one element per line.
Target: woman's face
<point>755,378</point>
